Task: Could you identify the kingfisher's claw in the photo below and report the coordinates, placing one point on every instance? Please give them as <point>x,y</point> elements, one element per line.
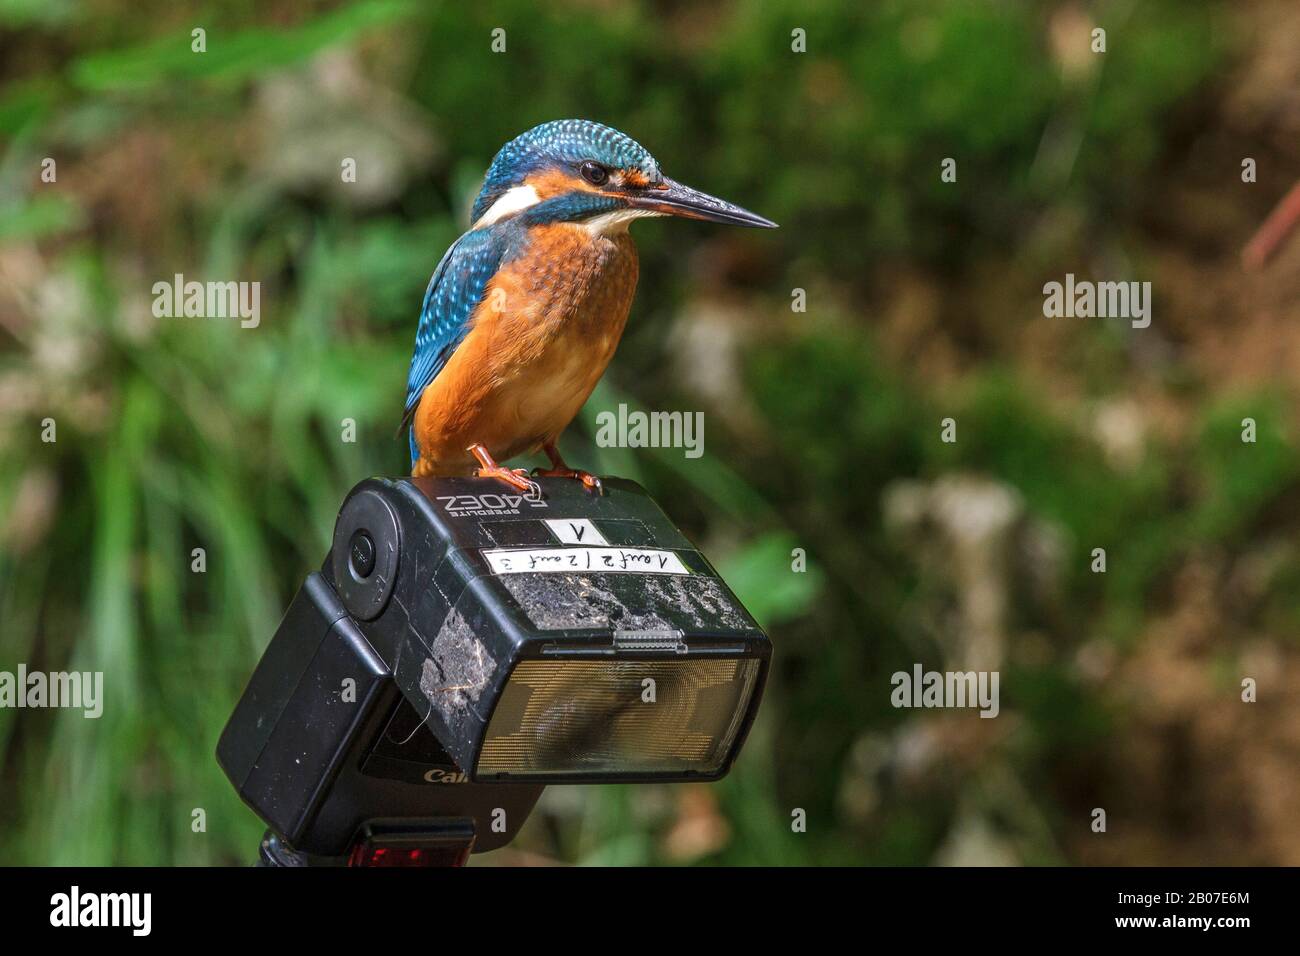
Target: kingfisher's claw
<point>516,478</point>
<point>589,481</point>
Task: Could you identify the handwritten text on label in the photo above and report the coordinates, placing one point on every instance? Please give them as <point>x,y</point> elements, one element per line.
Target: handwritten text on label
<point>638,560</point>
<point>576,531</point>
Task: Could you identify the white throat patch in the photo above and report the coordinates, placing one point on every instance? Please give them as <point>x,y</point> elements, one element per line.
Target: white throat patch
<point>610,223</point>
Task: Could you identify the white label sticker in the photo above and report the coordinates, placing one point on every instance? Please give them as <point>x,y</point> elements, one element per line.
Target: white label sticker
<point>575,531</point>
<point>638,560</point>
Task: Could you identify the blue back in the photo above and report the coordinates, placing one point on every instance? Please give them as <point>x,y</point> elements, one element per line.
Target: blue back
<point>457,287</point>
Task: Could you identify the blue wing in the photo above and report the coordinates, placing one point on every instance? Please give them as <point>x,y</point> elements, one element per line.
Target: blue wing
<point>457,287</point>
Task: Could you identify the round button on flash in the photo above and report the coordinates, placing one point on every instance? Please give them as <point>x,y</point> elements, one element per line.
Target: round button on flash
<point>361,554</point>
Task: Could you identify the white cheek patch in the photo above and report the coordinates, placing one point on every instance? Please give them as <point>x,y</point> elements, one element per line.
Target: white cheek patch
<point>518,198</point>
<point>513,200</point>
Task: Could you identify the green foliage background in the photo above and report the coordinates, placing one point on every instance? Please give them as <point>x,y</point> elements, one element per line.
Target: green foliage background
<point>177,434</point>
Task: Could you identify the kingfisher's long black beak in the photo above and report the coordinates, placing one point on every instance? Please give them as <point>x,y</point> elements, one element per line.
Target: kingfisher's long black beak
<point>671,198</point>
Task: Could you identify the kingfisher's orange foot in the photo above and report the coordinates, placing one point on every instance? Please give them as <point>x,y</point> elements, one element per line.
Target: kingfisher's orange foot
<point>589,481</point>
<point>516,478</point>
<point>559,469</point>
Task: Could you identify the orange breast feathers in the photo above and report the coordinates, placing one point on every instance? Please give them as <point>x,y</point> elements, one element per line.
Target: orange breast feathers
<point>538,343</point>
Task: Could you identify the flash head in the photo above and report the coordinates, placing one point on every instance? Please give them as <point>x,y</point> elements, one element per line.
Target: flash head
<point>575,638</point>
<point>493,644</point>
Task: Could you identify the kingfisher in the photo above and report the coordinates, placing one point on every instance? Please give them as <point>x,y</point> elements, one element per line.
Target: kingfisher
<point>525,309</point>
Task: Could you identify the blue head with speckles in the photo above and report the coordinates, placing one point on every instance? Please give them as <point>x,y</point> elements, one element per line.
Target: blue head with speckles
<point>562,147</point>
<point>576,169</point>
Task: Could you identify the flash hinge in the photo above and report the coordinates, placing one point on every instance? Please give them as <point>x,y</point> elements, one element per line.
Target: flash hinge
<point>661,639</point>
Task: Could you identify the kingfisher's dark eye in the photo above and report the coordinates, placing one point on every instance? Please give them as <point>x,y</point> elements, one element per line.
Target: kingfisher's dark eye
<point>594,173</point>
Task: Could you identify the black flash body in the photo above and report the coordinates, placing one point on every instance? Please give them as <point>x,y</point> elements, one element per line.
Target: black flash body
<point>463,645</point>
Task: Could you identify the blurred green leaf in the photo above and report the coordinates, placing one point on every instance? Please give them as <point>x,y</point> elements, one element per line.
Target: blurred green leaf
<point>39,217</point>
<point>230,55</point>
<point>762,576</point>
